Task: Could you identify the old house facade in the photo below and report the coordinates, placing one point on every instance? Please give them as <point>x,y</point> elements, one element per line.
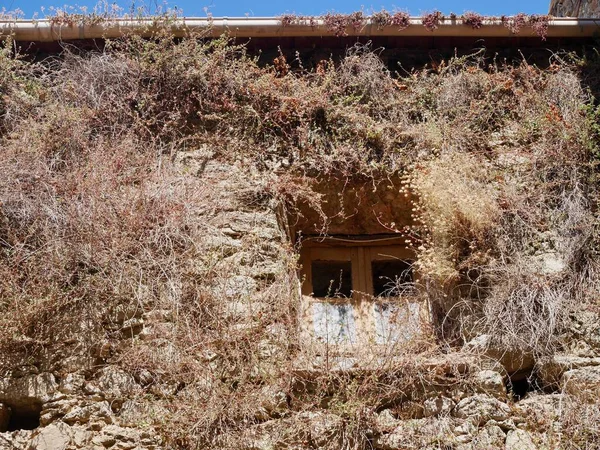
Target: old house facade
<point>377,234</point>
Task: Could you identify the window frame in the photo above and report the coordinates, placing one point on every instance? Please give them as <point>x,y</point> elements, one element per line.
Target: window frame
<point>361,252</point>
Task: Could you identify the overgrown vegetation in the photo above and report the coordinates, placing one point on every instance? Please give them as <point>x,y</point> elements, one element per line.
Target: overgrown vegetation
<point>100,219</point>
<point>473,19</point>
<point>339,24</point>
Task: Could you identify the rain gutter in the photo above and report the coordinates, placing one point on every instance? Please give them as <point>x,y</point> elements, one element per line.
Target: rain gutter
<point>270,27</point>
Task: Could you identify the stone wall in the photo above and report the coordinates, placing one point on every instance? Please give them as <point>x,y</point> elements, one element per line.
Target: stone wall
<point>462,401</point>
<point>575,8</point>
<point>106,398</point>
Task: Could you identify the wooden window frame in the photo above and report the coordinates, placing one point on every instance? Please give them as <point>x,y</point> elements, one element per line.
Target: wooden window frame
<point>361,253</point>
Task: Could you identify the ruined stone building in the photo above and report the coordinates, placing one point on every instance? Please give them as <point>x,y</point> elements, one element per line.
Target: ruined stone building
<point>336,232</point>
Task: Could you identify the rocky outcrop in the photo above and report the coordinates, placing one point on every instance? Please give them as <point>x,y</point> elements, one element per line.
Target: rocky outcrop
<point>489,437</point>
<point>93,402</point>
<point>385,421</point>
<point>115,384</point>
<point>17,440</point>
<point>305,430</point>
<point>79,412</point>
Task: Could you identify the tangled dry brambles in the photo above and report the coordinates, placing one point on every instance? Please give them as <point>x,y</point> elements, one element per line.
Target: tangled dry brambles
<point>146,181</point>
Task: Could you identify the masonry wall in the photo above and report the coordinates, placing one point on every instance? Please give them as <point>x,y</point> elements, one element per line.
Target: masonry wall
<point>575,8</point>
<point>462,401</point>
<point>149,285</point>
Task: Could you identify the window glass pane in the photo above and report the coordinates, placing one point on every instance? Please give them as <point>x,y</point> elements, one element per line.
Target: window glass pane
<point>396,322</point>
<point>332,278</point>
<point>391,278</point>
<point>334,323</point>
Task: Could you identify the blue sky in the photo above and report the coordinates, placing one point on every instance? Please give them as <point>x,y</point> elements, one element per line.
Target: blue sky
<point>309,7</point>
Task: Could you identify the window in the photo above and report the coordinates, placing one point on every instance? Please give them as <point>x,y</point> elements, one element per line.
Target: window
<point>331,279</point>
<point>391,278</point>
<point>358,291</point>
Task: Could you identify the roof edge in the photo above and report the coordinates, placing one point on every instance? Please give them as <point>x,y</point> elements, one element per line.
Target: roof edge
<point>49,30</point>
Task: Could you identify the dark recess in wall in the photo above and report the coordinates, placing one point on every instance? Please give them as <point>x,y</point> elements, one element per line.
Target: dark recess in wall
<point>24,418</point>
<point>397,52</point>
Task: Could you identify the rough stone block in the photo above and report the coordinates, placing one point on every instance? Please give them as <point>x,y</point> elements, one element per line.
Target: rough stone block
<point>56,436</point>
<point>490,382</point>
<point>481,408</point>
<point>551,370</point>
<point>512,360</point>
<point>584,382</point>
<point>519,440</point>
<point>437,406</point>
<point>28,393</point>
